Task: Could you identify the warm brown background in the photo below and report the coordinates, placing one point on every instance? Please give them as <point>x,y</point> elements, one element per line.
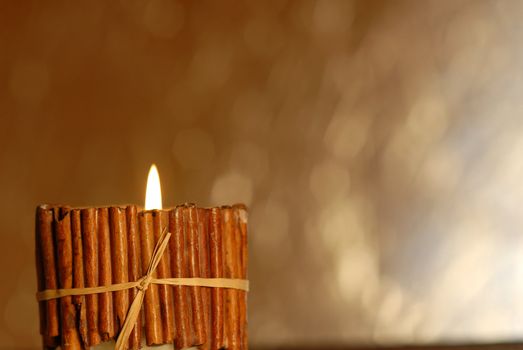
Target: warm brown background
<point>378,144</point>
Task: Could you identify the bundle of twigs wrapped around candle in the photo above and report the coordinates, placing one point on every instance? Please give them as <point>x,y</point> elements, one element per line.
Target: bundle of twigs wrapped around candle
<point>78,249</point>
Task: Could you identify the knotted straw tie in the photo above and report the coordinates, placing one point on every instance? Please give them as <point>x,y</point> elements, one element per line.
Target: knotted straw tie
<point>142,284</point>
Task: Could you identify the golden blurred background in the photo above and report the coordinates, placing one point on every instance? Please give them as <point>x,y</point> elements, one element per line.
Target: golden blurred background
<point>378,145</point>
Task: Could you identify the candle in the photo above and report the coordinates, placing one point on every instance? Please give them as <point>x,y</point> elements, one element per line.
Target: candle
<point>197,294</point>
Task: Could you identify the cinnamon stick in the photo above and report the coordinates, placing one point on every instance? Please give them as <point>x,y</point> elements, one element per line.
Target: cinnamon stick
<point>106,316</point>
<point>153,319</point>
<point>120,264</point>
<point>203,241</point>
<point>193,251</point>
<point>90,251</point>
<point>47,279</point>
<point>64,247</point>
<point>240,212</point>
<point>216,270</point>
<point>182,306</point>
<point>232,329</point>
<point>40,278</point>
<point>135,271</point>
<point>78,275</point>
<point>161,222</point>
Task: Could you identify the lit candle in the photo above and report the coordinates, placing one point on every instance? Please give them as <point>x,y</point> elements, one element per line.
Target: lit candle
<point>151,258</point>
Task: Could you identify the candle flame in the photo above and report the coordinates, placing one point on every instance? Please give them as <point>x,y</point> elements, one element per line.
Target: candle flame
<point>153,194</point>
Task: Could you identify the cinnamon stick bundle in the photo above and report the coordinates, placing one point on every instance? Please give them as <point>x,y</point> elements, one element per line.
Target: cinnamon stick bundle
<point>135,271</point>
<point>232,270</point>
<point>203,241</point>
<point>77,248</point>
<point>153,319</point>
<point>78,275</point>
<point>47,277</point>
<point>193,254</point>
<point>120,263</point>
<point>106,316</point>
<point>182,306</point>
<point>216,270</point>
<point>64,247</point>
<point>161,222</point>
<point>90,251</point>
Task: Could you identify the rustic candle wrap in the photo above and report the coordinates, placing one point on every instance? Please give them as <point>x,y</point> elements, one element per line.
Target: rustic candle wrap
<point>100,269</point>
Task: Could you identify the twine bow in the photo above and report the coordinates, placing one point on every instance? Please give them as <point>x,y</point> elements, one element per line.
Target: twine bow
<point>144,282</point>
<point>141,285</point>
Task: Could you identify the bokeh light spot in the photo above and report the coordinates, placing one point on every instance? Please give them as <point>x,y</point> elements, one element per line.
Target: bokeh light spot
<point>232,187</point>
